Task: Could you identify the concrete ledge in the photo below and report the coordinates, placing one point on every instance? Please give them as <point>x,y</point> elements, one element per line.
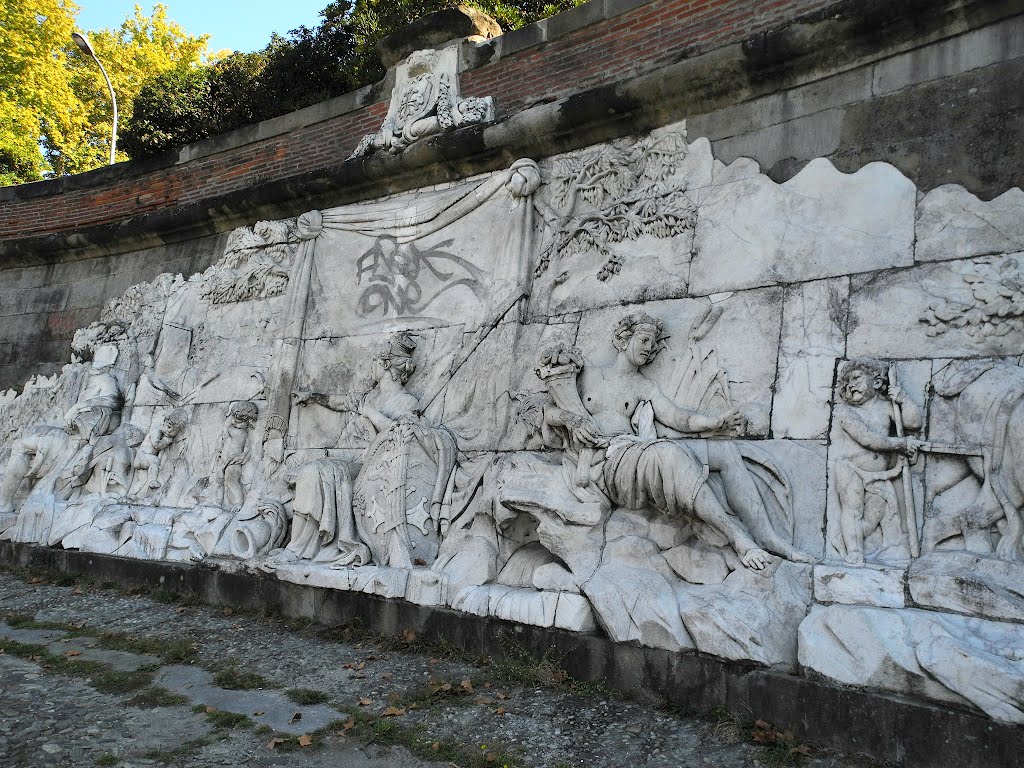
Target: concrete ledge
<point>912,733</point>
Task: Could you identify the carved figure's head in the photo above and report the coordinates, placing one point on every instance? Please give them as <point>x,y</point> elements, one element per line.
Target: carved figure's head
<point>243,413</point>
<point>640,337</point>
<point>174,422</point>
<point>87,341</point>
<point>861,380</point>
<point>395,356</point>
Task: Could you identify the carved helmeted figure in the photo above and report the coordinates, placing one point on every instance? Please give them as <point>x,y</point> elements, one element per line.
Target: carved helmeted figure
<point>68,448</point>
<point>611,425</point>
<point>870,524</point>
<point>350,516</point>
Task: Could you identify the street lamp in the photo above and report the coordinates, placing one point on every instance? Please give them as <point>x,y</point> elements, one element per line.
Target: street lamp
<point>86,47</point>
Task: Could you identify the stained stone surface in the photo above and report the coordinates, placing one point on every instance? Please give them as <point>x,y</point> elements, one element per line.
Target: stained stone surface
<point>628,389</point>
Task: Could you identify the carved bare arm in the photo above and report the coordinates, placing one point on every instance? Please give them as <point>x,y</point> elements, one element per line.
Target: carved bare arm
<point>863,435</point>
<point>690,421</point>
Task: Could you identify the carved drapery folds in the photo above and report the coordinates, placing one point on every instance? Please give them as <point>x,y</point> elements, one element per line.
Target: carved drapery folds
<point>629,390</point>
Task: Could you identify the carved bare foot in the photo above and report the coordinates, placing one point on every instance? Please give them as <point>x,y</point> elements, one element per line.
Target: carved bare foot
<point>154,484</point>
<point>855,558</point>
<point>756,559</point>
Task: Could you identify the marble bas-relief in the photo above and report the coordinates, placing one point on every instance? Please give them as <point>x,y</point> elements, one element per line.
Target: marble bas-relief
<point>629,390</point>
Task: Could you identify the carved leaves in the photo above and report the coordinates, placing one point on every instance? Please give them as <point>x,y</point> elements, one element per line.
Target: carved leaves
<point>990,304</point>
<point>612,194</point>
<point>255,265</point>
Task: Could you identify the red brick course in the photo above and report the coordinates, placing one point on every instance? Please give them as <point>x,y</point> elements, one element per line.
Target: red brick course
<point>648,37</point>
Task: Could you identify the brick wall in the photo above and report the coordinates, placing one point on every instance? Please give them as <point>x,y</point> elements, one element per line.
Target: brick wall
<point>638,40</point>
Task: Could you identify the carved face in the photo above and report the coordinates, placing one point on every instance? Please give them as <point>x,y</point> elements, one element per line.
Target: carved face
<point>860,387</point>
<point>643,345</point>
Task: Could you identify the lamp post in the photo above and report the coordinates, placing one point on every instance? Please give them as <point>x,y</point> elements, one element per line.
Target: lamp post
<point>86,47</point>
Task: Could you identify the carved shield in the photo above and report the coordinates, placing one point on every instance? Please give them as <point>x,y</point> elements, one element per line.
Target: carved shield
<point>398,493</point>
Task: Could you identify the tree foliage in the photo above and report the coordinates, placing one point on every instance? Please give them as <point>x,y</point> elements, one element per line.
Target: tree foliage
<point>306,66</point>
<point>55,109</point>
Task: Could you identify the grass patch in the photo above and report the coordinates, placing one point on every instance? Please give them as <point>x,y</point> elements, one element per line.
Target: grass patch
<point>172,651</point>
<point>219,718</point>
<point>307,696</point>
<point>175,753</point>
<point>108,759</point>
<point>154,696</point>
<point>117,682</point>
<point>389,732</point>
<point>236,679</point>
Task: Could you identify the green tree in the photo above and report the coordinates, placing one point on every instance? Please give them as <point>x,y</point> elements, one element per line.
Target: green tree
<point>55,111</point>
<point>35,92</point>
<point>142,48</point>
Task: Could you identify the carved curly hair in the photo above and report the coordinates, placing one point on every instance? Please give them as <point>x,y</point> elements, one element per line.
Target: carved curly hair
<point>872,368</point>
<point>627,325</point>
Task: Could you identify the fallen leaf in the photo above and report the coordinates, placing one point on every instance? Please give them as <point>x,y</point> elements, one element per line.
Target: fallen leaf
<point>503,696</point>
<point>499,711</point>
<point>274,742</point>
<point>305,740</point>
<point>210,710</point>
<point>482,700</point>
<point>467,685</point>
<point>408,635</point>
<point>393,712</point>
<point>487,684</point>
<point>386,676</point>
<point>414,705</point>
<point>180,610</point>
<point>349,724</point>
<point>364,702</point>
<point>72,653</point>
<point>297,716</point>
<point>229,611</point>
<point>435,746</point>
<point>77,591</point>
<point>490,757</point>
<point>347,666</point>
<point>256,714</point>
<point>360,665</point>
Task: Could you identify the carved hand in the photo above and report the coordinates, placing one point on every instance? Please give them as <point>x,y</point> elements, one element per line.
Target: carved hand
<point>585,431</point>
<point>897,395</point>
<point>910,446</point>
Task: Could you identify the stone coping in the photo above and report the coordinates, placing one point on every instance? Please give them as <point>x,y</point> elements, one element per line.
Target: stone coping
<point>890,728</point>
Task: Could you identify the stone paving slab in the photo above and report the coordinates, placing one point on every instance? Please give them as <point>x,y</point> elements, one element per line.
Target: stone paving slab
<point>394,693</point>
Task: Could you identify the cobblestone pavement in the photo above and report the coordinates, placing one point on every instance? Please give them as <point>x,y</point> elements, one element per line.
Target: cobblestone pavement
<point>92,676</point>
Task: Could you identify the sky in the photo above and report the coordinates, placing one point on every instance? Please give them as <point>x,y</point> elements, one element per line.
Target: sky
<point>238,26</point>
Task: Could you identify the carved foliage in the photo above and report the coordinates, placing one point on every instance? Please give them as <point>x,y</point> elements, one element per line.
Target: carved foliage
<point>611,194</point>
<point>991,303</point>
<point>256,263</point>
